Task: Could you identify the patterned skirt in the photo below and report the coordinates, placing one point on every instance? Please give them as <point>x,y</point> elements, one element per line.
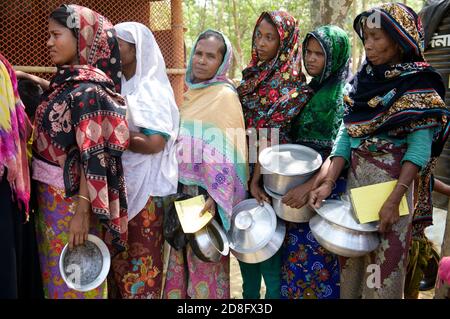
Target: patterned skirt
<point>138,270</point>
<point>308,270</point>
<point>52,228</point>
<point>380,274</point>
<point>189,277</point>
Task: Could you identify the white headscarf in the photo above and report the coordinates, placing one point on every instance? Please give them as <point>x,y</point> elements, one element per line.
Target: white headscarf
<point>151,106</point>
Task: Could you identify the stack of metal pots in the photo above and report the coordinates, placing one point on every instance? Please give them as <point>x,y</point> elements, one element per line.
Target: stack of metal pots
<point>336,228</point>
<point>286,167</point>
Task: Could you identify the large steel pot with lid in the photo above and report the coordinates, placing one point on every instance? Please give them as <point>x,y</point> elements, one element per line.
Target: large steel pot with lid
<point>287,213</point>
<point>336,229</point>
<point>287,166</point>
<point>255,234</point>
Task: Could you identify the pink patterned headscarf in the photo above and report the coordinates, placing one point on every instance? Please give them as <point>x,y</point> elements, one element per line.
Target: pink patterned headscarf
<point>444,271</point>
<point>14,133</point>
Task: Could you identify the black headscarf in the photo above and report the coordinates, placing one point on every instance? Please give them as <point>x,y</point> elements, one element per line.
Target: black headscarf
<point>397,99</point>
<point>402,98</point>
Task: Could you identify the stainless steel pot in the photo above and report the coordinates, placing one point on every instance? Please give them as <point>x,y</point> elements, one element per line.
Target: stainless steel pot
<point>255,234</point>
<point>287,166</point>
<point>210,243</point>
<point>268,250</point>
<point>336,229</point>
<point>287,213</point>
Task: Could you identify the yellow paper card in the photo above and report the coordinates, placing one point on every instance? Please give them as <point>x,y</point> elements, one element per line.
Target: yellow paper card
<point>189,214</point>
<point>368,200</point>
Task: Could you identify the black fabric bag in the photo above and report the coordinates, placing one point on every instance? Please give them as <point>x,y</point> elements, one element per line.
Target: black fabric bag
<point>172,231</point>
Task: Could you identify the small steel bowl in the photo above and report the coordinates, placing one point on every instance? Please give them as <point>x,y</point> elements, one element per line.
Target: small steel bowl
<point>85,267</point>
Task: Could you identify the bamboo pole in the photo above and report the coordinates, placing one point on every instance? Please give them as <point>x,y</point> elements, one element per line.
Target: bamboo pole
<point>35,69</point>
<point>51,69</point>
<point>176,71</point>
<point>178,48</point>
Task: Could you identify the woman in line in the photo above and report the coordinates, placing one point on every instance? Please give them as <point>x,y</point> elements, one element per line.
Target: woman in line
<point>150,163</point>
<point>15,130</point>
<point>273,91</point>
<point>212,162</point>
<point>80,135</point>
<point>395,121</point>
<point>308,270</point>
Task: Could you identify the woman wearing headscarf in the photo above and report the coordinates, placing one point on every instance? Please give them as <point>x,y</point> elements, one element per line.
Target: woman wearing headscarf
<point>80,135</point>
<point>308,269</point>
<point>395,124</point>
<point>150,163</point>
<point>212,162</point>
<point>273,91</point>
<point>15,130</point>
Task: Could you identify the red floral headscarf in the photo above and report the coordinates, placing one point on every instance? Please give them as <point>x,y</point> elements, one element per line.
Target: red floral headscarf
<point>272,93</point>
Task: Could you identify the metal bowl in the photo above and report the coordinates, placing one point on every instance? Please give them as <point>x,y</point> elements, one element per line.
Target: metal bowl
<point>287,213</point>
<point>85,267</point>
<point>287,166</point>
<point>268,250</point>
<point>210,243</point>
<point>252,226</point>
<point>336,229</point>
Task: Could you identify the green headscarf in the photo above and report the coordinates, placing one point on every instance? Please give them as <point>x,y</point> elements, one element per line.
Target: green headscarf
<point>319,121</point>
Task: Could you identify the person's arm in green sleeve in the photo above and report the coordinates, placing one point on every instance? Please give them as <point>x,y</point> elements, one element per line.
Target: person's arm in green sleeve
<point>332,169</point>
<point>419,147</point>
<point>342,145</point>
<point>149,132</point>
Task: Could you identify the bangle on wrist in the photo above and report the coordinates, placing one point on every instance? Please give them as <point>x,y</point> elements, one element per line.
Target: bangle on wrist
<point>84,197</point>
<point>404,185</point>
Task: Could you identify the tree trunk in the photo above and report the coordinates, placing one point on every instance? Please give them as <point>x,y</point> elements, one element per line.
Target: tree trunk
<point>178,47</point>
<point>314,7</point>
<point>238,51</point>
<point>329,12</point>
<point>219,15</point>
<point>203,18</point>
<point>335,11</point>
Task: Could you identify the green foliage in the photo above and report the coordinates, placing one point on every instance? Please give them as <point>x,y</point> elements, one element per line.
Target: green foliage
<point>218,14</point>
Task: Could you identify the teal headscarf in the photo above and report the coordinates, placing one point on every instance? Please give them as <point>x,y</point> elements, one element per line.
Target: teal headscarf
<point>319,121</point>
<point>221,74</point>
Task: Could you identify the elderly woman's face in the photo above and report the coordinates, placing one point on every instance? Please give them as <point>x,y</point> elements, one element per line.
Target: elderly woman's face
<point>207,59</point>
<point>267,41</point>
<point>62,44</point>
<point>380,47</point>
